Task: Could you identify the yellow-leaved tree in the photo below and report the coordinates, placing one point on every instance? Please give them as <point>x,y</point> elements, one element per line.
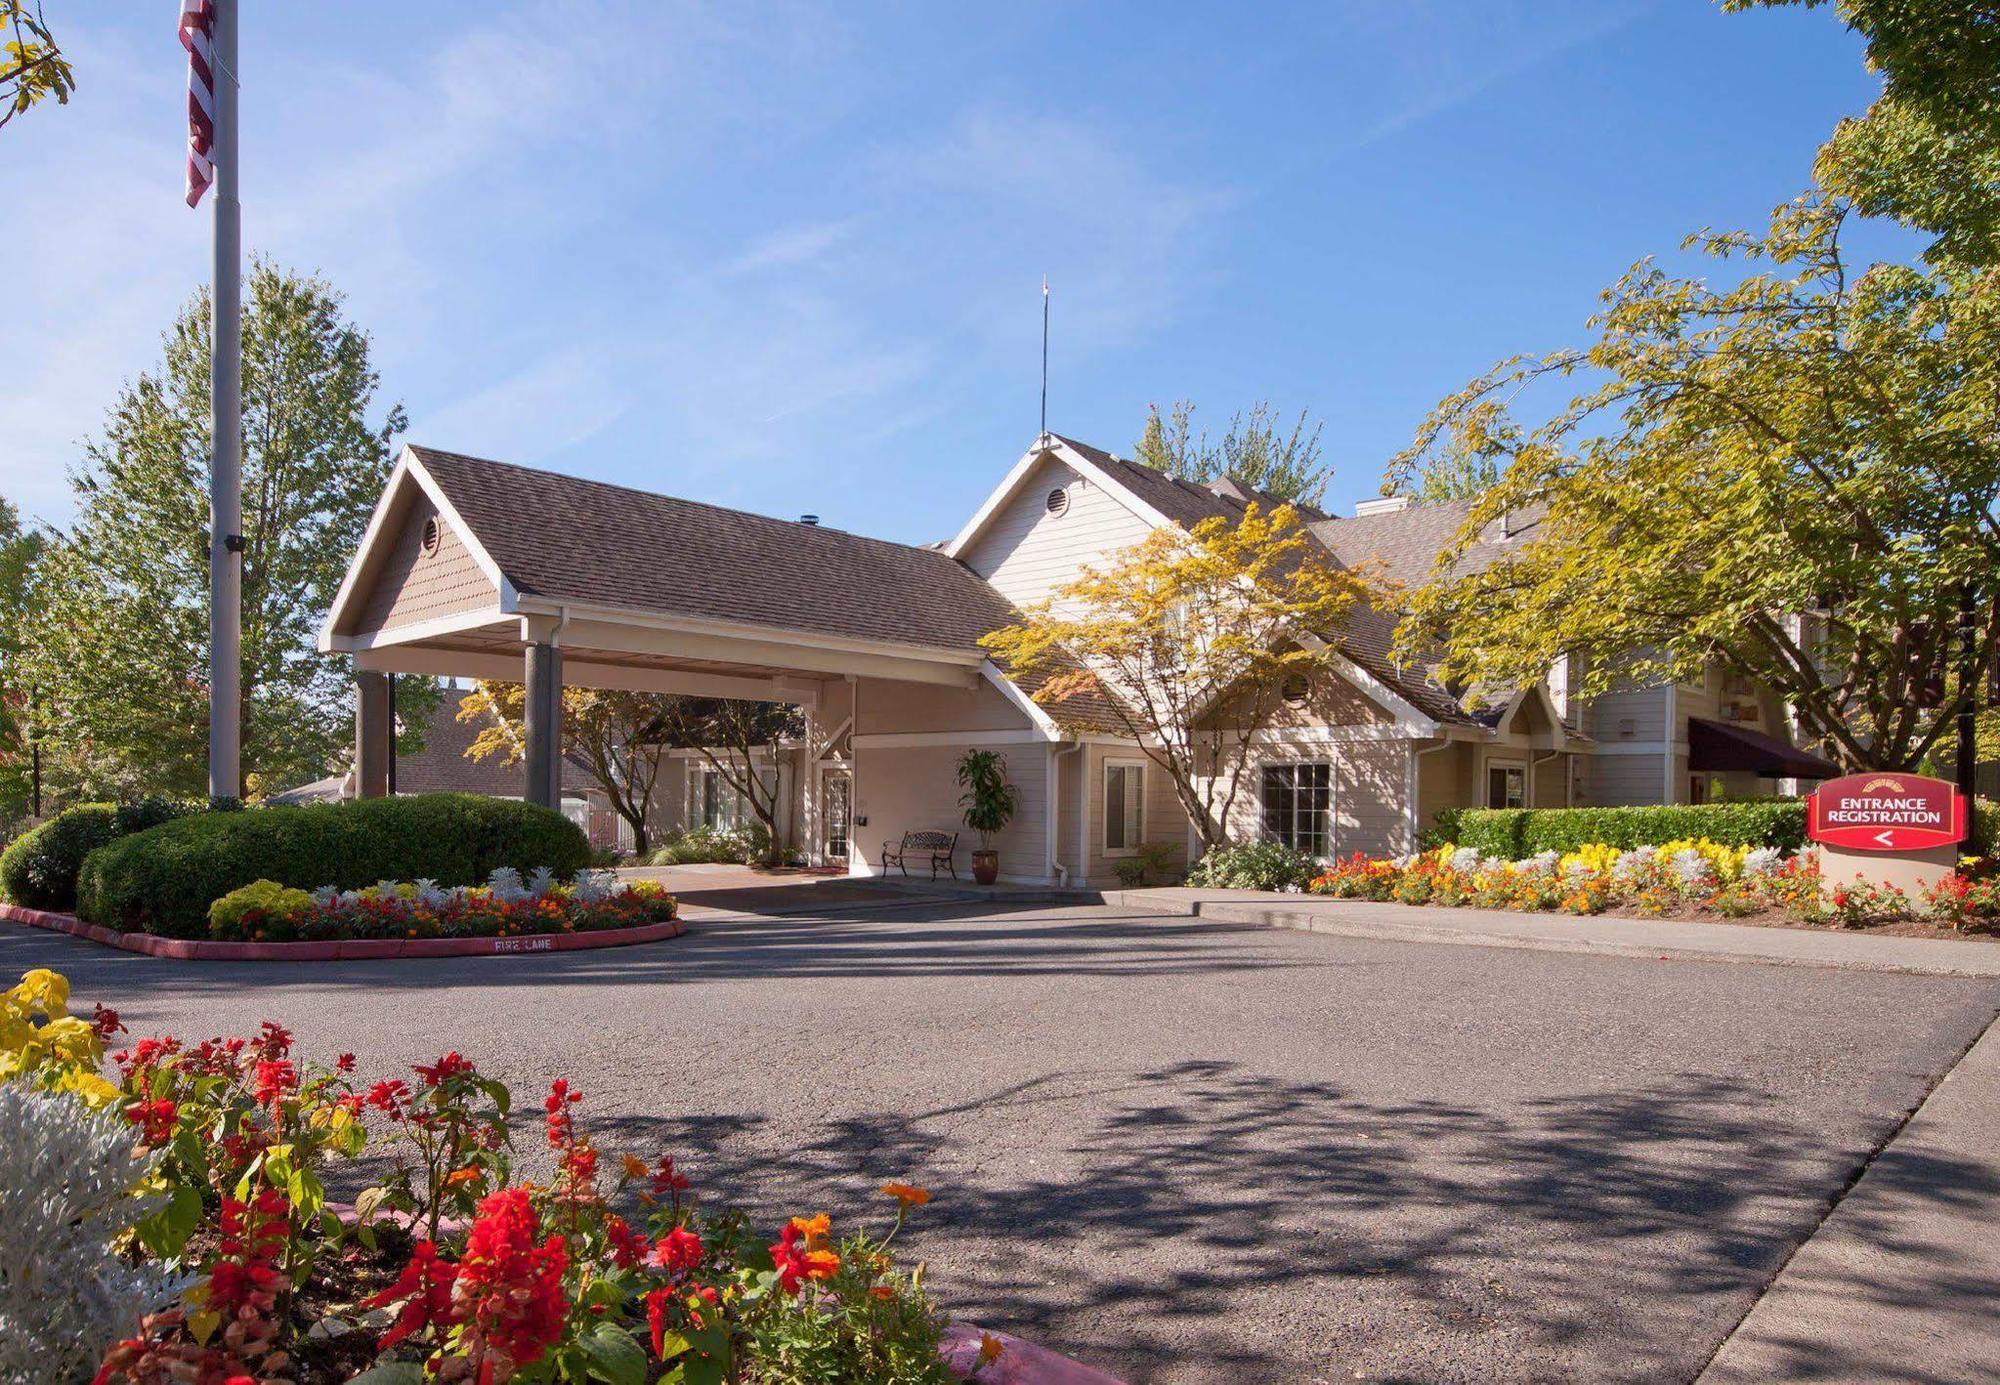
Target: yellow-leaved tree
<point>1190,636</point>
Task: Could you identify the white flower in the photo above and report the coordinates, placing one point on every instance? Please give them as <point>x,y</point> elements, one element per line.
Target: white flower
<point>1765,860</point>
<point>1691,868</point>
<point>1632,862</point>
<point>1541,863</point>
<point>1465,860</point>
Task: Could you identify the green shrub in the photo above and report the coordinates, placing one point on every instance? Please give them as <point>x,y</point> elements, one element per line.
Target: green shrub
<point>712,846</point>
<point>1254,866</point>
<point>39,868</point>
<point>1444,829</point>
<point>1493,831</point>
<point>164,879</point>
<point>1984,829</point>
<point>1517,833</point>
<point>225,916</point>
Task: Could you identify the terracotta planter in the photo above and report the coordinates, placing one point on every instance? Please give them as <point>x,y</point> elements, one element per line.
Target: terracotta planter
<point>985,867</point>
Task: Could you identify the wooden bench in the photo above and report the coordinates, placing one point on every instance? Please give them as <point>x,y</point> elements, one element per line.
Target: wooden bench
<point>939,846</point>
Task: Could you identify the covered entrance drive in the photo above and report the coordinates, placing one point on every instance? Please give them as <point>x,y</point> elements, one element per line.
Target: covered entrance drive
<point>479,569</point>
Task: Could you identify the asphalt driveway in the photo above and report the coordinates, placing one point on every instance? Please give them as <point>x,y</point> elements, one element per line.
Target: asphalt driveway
<point>1187,1151</point>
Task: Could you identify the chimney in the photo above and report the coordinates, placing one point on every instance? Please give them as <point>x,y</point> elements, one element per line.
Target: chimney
<point>812,520</point>
<point>1381,505</point>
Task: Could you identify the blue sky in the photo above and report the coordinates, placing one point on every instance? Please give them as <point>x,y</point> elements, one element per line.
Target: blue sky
<point>788,257</point>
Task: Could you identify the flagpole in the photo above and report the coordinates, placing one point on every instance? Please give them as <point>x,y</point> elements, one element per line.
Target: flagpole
<point>1045,353</point>
<point>225,481</point>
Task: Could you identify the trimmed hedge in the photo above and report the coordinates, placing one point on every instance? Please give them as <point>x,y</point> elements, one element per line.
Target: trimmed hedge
<point>1518,833</point>
<point>39,868</point>
<point>162,881</point>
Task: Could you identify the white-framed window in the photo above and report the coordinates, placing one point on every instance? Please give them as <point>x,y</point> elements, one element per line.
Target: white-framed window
<point>1124,806</point>
<point>1506,785</point>
<point>713,801</point>
<point>1297,799</point>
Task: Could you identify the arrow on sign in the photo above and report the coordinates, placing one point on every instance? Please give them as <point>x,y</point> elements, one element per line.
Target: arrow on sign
<point>1887,837</point>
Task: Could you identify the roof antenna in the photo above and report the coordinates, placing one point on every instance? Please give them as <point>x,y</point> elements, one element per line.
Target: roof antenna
<point>1045,355</point>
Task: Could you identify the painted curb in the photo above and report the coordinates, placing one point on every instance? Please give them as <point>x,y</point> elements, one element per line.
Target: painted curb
<point>340,950</point>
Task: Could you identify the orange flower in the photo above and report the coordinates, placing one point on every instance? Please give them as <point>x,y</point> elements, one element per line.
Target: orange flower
<point>989,1348</point>
<point>814,1229</point>
<point>458,1178</point>
<point>908,1194</point>
<point>634,1168</point>
<point>821,1264</point>
<point>882,1291</point>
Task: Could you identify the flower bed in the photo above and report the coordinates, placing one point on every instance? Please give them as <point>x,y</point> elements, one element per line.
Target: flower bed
<point>1695,878</point>
<point>188,1236</point>
<point>505,907</point>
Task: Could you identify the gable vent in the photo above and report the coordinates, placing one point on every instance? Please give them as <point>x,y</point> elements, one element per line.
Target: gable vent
<point>1058,501</point>
<point>433,538</point>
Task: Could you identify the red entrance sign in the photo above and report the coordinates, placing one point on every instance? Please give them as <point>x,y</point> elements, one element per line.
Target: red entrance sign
<point>1886,812</point>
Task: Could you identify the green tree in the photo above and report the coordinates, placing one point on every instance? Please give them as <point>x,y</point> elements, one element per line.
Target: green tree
<point>1928,150</point>
<point>1194,634</point>
<point>1796,475</point>
<point>21,551</point>
<point>1257,450</point>
<point>614,735</point>
<point>120,648</point>
<point>733,737</point>
<point>32,67</point>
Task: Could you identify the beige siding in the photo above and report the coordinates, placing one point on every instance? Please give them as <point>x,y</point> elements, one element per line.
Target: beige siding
<point>912,789</point>
<point>1619,780</point>
<point>1445,780</point>
<point>1550,789</point>
<point>411,588</point>
<point>1644,708</point>
<point>884,707</point>
<point>1162,819</point>
<point>1370,794</point>
<point>1026,552</point>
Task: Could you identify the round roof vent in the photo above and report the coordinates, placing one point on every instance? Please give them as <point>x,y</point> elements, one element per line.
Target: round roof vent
<point>433,536</point>
<point>1296,690</point>
<point>1058,501</point>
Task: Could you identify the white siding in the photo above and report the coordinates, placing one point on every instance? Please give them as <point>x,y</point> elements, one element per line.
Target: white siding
<point>1026,552</point>
<point>905,790</point>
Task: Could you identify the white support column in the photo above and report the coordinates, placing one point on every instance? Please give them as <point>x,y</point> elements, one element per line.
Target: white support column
<point>225,403</point>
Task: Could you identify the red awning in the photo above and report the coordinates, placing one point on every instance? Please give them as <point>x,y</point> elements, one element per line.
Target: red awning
<point>1716,745</point>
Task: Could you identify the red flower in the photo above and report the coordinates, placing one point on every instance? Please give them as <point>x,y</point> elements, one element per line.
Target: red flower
<point>105,1021</point>
<point>344,1063</point>
<point>802,1252</point>
<point>562,1126</point>
<point>273,1039</point>
<point>678,1252</point>
<point>629,1248</point>
<point>424,1290</point>
<point>245,1276</point>
<point>449,1066</point>
<point>274,1078</point>
<point>155,1120</point>
<point>668,1181</point>
<point>389,1098</point>
<point>509,1291</point>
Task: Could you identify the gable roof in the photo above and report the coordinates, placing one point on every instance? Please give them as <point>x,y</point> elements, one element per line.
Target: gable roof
<point>1408,542</point>
<point>564,538</point>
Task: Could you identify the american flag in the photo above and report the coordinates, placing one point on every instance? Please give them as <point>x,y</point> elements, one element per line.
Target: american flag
<point>197,31</point>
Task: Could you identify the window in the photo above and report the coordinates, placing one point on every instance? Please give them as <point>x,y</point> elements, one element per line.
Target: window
<point>713,801</point>
<point>1124,806</point>
<point>1506,786</point>
<point>1298,806</point>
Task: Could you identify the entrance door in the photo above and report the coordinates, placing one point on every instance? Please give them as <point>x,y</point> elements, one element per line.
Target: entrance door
<point>836,790</point>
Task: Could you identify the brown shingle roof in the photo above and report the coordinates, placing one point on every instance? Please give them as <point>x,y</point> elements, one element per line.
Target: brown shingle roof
<point>563,537</point>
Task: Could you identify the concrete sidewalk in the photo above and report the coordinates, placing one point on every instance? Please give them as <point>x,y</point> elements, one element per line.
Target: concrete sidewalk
<point>1565,933</point>
<point>1900,1281</point>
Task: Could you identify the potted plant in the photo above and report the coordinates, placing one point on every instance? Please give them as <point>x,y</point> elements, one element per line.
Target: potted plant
<point>990,803</point>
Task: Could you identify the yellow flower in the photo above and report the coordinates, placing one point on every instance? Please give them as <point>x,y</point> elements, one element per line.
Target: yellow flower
<point>907,1193</point>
